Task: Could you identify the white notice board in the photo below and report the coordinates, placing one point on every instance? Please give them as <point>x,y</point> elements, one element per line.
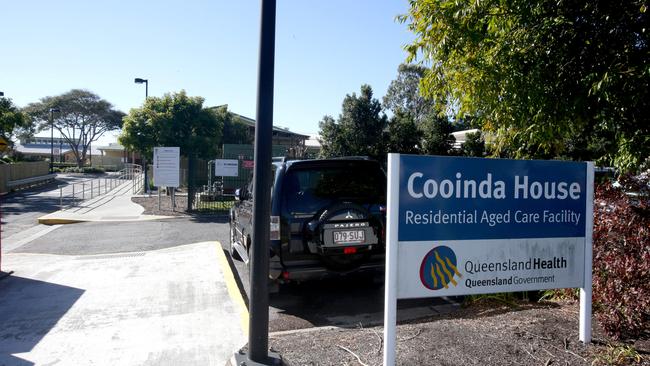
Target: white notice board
<point>166,166</point>
<point>226,168</point>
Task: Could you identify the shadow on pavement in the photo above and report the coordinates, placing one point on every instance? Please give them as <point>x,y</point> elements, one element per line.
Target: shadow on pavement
<point>29,201</point>
<point>29,310</point>
<point>220,219</point>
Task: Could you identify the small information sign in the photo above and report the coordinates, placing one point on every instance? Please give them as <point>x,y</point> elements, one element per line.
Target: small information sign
<point>166,166</point>
<point>226,168</point>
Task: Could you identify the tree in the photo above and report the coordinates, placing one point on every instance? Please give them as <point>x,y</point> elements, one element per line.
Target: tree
<point>536,73</point>
<point>474,145</point>
<point>234,131</point>
<point>12,119</point>
<point>83,117</point>
<point>403,136</point>
<point>174,120</point>
<point>359,129</point>
<point>403,93</point>
<point>436,135</point>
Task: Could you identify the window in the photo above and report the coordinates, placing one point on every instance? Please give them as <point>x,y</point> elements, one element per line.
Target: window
<point>308,190</point>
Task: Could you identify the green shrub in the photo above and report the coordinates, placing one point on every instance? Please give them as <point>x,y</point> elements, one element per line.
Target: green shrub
<point>92,170</point>
<point>86,170</point>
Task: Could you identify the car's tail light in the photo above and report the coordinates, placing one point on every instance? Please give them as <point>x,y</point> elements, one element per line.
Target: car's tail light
<point>275,228</point>
<point>349,250</point>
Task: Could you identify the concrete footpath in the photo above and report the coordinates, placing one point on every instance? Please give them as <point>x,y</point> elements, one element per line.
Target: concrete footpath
<point>115,205</point>
<point>163,307</point>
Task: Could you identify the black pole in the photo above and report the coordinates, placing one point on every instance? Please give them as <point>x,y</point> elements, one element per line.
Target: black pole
<point>258,335</point>
<point>144,154</point>
<point>51,141</point>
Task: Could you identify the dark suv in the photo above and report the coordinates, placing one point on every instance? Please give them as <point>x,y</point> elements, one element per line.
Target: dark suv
<point>327,218</point>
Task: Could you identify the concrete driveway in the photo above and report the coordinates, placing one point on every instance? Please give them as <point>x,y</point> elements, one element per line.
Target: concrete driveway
<point>162,307</point>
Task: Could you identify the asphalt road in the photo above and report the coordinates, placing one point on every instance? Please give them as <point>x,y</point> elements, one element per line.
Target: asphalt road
<point>352,301</point>
<point>116,237</point>
<point>21,209</point>
<point>347,302</point>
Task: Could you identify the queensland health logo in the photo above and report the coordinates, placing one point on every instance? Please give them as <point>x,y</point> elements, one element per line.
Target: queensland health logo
<point>438,268</point>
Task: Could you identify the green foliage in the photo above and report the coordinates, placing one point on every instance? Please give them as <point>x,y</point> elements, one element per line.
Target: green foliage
<point>359,129</point>
<point>536,73</point>
<point>436,135</point>
<point>84,170</point>
<point>403,94</point>
<point>474,145</point>
<point>403,136</point>
<point>11,118</point>
<point>617,355</point>
<point>174,120</point>
<point>234,131</point>
<point>83,117</point>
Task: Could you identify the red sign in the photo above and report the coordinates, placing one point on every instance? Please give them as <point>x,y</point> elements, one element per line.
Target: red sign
<point>248,164</point>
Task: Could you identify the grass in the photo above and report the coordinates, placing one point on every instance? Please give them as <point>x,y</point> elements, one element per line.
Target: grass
<point>617,355</point>
<point>214,206</point>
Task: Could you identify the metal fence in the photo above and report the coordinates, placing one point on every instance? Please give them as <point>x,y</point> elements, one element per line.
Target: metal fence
<point>72,194</point>
<point>214,194</point>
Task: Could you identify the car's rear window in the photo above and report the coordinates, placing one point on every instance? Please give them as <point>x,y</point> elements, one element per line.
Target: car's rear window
<point>307,190</point>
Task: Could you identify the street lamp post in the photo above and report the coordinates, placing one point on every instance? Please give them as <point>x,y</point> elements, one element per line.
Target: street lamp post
<point>144,158</point>
<point>52,110</point>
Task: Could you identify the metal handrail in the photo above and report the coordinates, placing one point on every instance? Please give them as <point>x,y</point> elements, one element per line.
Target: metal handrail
<point>92,188</point>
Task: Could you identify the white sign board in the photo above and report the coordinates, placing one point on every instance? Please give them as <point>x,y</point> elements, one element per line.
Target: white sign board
<point>460,226</point>
<point>166,166</point>
<point>226,168</point>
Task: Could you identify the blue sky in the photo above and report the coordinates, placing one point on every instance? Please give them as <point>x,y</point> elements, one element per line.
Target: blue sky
<point>324,50</point>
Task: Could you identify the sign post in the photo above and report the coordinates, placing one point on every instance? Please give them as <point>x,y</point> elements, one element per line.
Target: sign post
<point>460,226</point>
<point>3,146</point>
<point>166,168</point>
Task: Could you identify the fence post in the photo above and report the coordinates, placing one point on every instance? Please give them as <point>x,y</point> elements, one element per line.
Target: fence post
<point>190,181</point>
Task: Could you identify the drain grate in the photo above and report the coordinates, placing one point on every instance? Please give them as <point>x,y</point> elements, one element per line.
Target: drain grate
<point>112,256</point>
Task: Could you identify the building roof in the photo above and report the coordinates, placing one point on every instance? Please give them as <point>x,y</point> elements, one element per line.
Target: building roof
<point>277,130</point>
<point>461,136</point>
<point>313,141</point>
<point>33,149</point>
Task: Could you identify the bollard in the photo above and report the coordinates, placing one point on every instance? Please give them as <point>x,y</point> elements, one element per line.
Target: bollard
<point>61,197</point>
<point>91,189</point>
<point>83,191</point>
<point>74,198</point>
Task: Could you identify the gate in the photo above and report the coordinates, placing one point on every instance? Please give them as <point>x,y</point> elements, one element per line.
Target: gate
<point>215,194</point>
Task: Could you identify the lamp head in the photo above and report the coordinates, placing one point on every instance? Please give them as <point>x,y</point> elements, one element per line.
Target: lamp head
<point>55,110</point>
<point>140,81</point>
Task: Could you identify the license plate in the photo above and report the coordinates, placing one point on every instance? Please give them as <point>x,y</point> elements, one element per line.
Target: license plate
<point>349,236</point>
